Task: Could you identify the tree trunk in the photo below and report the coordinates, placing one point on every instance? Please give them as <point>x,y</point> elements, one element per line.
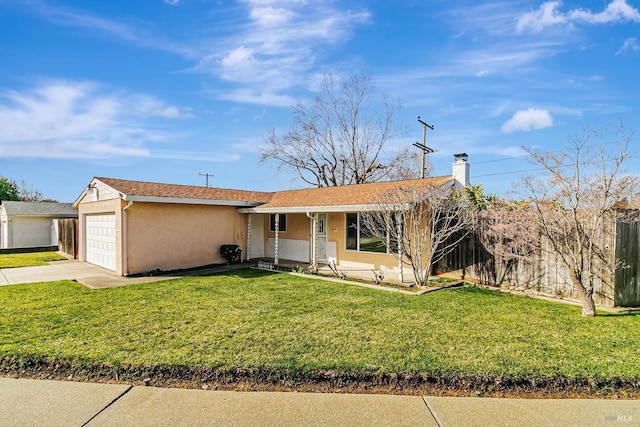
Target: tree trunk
<point>588,305</point>
<point>586,295</point>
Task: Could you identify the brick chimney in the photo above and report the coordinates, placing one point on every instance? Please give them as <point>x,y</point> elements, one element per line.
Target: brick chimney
<point>460,171</point>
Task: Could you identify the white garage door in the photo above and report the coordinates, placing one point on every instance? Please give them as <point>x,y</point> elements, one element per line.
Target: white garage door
<point>101,240</point>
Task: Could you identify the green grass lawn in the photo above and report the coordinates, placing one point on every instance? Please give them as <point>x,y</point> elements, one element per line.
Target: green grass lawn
<point>251,319</point>
<point>29,259</point>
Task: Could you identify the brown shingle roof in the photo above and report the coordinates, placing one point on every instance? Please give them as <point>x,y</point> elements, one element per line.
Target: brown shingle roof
<point>155,189</point>
<point>348,195</point>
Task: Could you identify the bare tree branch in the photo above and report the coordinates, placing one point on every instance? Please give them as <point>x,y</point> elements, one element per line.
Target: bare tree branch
<point>339,138</point>
<point>576,205</point>
<point>421,224</point>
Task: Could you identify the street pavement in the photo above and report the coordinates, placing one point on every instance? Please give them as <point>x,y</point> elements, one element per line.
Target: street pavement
<point>27,402</point>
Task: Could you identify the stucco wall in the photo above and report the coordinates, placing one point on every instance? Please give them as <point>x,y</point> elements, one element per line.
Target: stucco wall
<point>298,228</point>
<point>174,236</point>
<point>352,258</point>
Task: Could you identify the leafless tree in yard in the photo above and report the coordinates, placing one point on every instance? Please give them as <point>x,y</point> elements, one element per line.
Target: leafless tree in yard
<point>420,224</point>
<point>506,230</point>
<point>29,193</point>
<point>575,204</point>
<point>339,138</point>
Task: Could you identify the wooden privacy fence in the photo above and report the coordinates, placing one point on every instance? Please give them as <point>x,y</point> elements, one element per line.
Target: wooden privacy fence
<point>545,274</point>
<point>68,236</point>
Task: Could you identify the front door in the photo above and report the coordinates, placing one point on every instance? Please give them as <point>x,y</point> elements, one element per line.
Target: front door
<point>321,232</point>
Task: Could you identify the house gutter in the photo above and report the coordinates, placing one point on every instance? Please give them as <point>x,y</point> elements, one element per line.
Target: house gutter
<point>125,266</point>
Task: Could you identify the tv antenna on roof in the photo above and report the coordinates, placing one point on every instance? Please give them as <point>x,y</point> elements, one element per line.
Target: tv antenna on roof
<point>425,150</point>
<point>206,180</point>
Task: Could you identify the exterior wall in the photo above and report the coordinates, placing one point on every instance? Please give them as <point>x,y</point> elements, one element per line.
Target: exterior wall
<point>357,261</point>
<point>298,235</point>
<point>94,207</point>
<point>293,244</point>
<point>26,232</point>
<point>175,236</point>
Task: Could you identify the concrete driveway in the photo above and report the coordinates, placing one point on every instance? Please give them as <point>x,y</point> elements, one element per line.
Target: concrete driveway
<point>84,273</point>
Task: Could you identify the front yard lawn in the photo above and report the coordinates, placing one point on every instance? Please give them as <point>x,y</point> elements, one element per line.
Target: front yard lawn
<point>283,329</point>
<point>29,259</point>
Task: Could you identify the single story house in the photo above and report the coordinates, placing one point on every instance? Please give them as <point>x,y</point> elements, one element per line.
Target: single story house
<point>133,227</point>
<point>32,224</point>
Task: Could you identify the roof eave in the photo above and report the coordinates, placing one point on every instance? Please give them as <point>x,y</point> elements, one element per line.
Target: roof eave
<point>305,209</point>
<point>188,201</point>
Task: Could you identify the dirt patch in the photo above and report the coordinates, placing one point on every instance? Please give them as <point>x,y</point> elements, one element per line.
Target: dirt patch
<point>238,379</point>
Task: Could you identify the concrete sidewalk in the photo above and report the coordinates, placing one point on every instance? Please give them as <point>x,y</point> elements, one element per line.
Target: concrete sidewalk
<point>63,403</point>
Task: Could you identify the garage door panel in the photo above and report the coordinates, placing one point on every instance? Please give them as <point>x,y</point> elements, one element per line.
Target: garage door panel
<point>101,240</point>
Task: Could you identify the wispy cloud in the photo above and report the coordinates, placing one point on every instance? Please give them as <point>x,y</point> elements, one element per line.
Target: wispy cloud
<point>549,15</point>
<point>629,44</point>
<point>70,119</point>
<point>72,17</point>
<point>277,47</point>
<point>526,120</point>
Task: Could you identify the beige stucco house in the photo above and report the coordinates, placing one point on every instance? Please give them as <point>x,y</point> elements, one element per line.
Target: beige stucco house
<point>133,227</point>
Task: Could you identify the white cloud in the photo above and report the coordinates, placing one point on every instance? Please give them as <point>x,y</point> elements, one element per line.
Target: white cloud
<point>630,44</point>
<point>67,16</point>
<point>67,119</point>
<point>549,15</point>
<point>616,11</point>
<point>173,2</point>
<point>277,47</point>
<point>526,120</point>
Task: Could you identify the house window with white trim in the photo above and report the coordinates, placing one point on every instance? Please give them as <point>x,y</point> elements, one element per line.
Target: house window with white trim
<point>357,238</point>
<point>282,223</point>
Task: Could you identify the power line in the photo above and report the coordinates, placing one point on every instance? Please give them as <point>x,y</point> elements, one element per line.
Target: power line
<point>524,156</point>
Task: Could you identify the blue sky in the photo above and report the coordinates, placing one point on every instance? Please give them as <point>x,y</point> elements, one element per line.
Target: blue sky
<point>163,90</point>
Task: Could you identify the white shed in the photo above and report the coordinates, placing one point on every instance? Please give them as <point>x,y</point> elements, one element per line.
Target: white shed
<point>32,224</point>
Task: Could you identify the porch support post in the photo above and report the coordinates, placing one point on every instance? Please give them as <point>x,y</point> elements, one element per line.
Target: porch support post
<point>248,237</point>
<point>275,255</point>
<point>314,241</point>
<point>400,236</point>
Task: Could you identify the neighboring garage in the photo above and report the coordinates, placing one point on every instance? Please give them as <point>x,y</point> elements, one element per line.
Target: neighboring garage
<point>32,224</point>
<point>100,234</point>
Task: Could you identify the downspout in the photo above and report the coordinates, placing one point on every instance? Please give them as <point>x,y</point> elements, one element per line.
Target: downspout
<point>314,261</point>
<point>125,266</point>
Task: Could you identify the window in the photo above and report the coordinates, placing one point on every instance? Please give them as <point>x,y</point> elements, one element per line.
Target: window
<point>358,239</point>
<point>282,222</point>
<point>352,231</point>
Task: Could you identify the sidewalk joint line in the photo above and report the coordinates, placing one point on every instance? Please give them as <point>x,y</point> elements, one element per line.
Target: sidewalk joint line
<point>106,407</point>
<point>424,399</point>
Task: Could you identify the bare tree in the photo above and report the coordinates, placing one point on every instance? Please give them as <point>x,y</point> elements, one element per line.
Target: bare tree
<point>575,205</point>
<point>507,230</point>
<point>28,193</point>
<point>420,224</point>
<point>339,138</point>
